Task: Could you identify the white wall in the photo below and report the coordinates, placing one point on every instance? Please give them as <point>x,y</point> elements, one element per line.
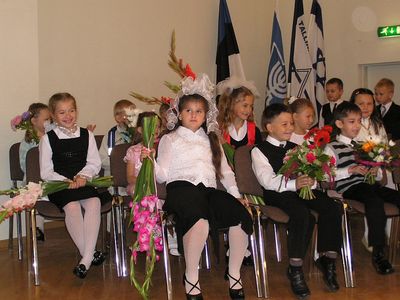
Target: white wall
<point>100,50</point>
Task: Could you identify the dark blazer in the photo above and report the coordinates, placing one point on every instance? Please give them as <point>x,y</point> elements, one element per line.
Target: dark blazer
<point>391,121</point>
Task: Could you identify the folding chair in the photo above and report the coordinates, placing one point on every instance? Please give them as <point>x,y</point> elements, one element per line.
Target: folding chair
<point>119,206</point>
<point>16,174</point>
<point>46,209</point>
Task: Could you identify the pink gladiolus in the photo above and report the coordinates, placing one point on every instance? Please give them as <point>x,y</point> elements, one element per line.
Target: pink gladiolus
<point>310,157</point>
<point>15,122</point>
<point>134,255</point>
<point>332,160</point>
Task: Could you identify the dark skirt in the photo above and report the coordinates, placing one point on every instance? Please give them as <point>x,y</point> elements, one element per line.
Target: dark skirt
<point>189,203</point>
<point>62,198</point>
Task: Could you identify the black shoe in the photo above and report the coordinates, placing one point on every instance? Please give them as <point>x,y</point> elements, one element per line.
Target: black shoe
<point>98,258</point>
<point>297,282</point>
<point>328,268</point>
<point>247,261</point>
<point>234,293</point>
<point>80,271</point>
<point>381,264</point>
<point>198,296</point>
<point>39,234</point>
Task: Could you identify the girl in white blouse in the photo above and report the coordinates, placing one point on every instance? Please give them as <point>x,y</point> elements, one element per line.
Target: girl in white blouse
<point>69,153</point>
<point>371,129</point>
<point>303,118</point>
<point>190,161</point>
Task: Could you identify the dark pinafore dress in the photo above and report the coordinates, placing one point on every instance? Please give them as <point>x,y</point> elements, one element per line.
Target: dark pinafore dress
<point>69,157</point>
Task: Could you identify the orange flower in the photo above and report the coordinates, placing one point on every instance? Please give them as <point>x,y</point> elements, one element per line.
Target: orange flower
<point>368,146</point>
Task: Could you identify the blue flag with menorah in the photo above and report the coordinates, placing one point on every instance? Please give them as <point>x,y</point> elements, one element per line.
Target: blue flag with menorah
<point>276,77</point>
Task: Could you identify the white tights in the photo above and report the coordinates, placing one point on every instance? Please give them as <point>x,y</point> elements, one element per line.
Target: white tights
<point>193,244</point>
<point>84,229</point>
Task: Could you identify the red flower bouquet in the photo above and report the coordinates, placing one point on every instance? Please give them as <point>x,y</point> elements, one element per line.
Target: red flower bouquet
<point>309,159</point>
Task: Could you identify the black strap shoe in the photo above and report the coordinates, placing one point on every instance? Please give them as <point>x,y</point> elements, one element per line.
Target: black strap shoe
<point>98,258</point>
<point>80,271</point>
<point>198,296</point>
<point>381,264</point>
<point>235,293</point>
<point>328,268</point>
<point>297,282</point>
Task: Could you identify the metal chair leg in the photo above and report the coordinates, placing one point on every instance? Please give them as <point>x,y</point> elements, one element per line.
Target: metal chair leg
<point>347,258</point>
<point>114,220</point>
<point>104,233</point>
<point>122,231</point>
<point>262,254</point>
<point>11,233</point>
<point>19,236</point>
<point>278,245</point>
<point>393,240</point>
<point>206,256</point>
<point>35,262</point>
<point>256,260</point>
<point>167,266</point>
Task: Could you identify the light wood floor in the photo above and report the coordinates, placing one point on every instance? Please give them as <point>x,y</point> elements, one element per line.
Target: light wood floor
<point>57,258</point>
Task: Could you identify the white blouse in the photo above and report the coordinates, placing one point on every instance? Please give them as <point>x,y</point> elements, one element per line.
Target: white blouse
<point>368,132</point>
<point>47,173</point>
<point>186,155</point>
<point>298,139</point>
<point>240,134</point>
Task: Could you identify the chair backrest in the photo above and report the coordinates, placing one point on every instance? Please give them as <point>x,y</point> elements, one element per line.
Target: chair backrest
<point>118,165</point>
<point>396,170</point>
<point>33,166</point>
<point>16,174</point>
<point>245,178</point>
<point>99,139</point>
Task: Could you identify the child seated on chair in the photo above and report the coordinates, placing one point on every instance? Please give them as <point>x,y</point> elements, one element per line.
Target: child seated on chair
<point>116,135</point>
<point>190,160</point>
<point>39,118</point>
<point>267,159</point>
<point>69,153</point>
<point>350,181</point>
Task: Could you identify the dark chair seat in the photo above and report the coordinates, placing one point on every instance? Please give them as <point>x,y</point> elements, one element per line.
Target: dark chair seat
<point>391,210</point>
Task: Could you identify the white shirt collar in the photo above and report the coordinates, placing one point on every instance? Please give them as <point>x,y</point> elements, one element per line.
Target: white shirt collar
<point>275,142</point>
<point>332,104</point>
<point>186,132</point>
<point>344,139</point>
<point>240,134</point>
<point>388,105</point>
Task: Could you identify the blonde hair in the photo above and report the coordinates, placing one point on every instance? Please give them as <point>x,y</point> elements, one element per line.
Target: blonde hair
<point>226,103</point>
<point>299,104</point>
<point>385,82</point>
<point>59,97</point>
<point>120,105</point>
<point>34,109</point>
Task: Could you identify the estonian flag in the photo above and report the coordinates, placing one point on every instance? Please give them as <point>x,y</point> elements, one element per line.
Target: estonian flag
<point>301,73</point>
<point>276,77</point>
<point>316,44</point>
<point>228,58</point>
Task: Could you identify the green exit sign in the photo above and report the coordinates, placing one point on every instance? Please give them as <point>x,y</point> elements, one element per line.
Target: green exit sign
<point>389,31</point>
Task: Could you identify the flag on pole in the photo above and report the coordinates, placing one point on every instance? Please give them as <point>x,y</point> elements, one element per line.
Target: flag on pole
<point>276,77</point>
<point>316,44</point>
<point>301,75</point>
<point>228,58</point>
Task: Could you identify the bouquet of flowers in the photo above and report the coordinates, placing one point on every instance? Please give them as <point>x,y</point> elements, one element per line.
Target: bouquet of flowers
<point>26,196</point>
<point>374,153</point>
<point>144,213</point>
<point>23,122</point>
<point>309,159</point>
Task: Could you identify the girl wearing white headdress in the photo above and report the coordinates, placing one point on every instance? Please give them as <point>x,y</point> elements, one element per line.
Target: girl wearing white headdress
<point>190,160</point>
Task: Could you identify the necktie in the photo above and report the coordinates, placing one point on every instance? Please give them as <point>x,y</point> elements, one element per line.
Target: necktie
<point>353,143</point>
<point>282,145</point>
<point>334,107</point>
<point>383,110</point>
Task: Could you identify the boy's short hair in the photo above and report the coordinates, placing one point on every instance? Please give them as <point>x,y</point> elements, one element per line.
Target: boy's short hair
<point>385,82</point>
<point>335,80</point>
<point>120,105</point>
<point>271,112</point>
<point>344,109</point>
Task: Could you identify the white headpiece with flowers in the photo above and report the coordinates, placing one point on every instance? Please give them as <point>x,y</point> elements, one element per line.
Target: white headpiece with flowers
<point>202,86</point>
<point>231,83</point>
